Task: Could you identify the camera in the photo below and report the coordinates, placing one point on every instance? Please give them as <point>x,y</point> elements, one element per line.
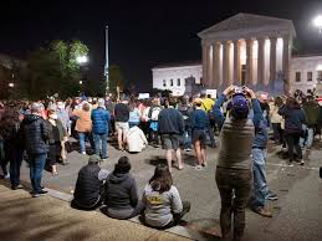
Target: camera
<point>240,90</point>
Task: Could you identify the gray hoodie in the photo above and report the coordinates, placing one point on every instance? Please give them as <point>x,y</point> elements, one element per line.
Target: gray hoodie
<point>159,208</point>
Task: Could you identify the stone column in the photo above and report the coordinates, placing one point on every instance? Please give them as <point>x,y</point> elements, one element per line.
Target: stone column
<point>286,57</point>
<point>205,64</point>
<point>226,64</point>
<point>216,65</point>
<point>272,59</point>
<point>261,62</point>
<point>237,67</point>
<point>249,61</point>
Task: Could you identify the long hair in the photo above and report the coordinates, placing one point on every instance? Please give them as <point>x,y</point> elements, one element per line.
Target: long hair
<point>9,121</point>
<point>161,181</point>
<point>278,102</point>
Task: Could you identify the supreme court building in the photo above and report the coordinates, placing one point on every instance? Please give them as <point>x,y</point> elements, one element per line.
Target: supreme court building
<point>246,49</point>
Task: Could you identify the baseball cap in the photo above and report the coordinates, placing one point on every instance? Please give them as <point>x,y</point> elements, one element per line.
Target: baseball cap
<point>240,107</point>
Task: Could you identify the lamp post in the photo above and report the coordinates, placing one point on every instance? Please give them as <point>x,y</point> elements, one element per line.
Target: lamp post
<point>82,61</point>
<point>317,22</point>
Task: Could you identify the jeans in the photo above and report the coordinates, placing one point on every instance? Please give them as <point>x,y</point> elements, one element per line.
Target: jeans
<point>97,139</point>
<point>15,169</point>
<point>260,189</point>
<point>187,141</point>
<point>3,161</point>
<point>293,141</point>
<point>308,140</point>
<point>82,141</point>
<point>211,134</point>
<point>37,164</point>
<point>229,182</point>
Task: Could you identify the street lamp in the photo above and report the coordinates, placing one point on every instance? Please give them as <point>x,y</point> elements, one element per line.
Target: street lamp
<point>82,59</point>
<point>317,22</point>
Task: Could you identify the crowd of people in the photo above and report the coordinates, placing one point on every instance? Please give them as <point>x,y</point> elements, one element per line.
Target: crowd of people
<point>238,121</point>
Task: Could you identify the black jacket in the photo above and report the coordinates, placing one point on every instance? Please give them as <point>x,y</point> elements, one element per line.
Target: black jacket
<point>35,134</point>
<point>294,118</point>
<point>121,192</point>
<point>88,186</point>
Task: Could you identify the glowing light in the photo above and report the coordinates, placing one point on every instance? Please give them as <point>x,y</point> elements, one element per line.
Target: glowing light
<point>317,21</point>
<point>82,59</point>
<point>11,84</point>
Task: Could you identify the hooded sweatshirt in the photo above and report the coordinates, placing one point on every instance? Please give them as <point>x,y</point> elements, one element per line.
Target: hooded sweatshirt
<point>159,207</point>
<point>121,192</point>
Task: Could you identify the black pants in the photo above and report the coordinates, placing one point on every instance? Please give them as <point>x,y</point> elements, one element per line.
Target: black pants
<point>293,141</point>
<point>235,190</point>
<point>278,133</point>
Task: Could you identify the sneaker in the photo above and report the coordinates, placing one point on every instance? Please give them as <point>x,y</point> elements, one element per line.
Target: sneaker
<point>301,162</point>
<point>17,187</point>
<point>187,150</point>
<point>7,177</point>
<point>290,163</point>
<point>205,164</point>
<point>38,194</point>
<point>198,167</point>
<point>83,153</point>
<point>105,159</point>
<point>272,197</point>
<point>64,162</point>
<point>263,212</point>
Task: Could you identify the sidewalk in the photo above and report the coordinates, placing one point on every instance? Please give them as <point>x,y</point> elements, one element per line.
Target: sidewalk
<point>48,218</point>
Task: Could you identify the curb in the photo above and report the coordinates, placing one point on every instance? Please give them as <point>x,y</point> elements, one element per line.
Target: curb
<point>177,230</point>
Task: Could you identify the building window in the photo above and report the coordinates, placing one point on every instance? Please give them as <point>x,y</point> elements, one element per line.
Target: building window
<point>309,76</point>
<point>164,83</point>
<point>171,82</point>
<point>178,82</point>
<point>298,76</point>
<point>319,76</point>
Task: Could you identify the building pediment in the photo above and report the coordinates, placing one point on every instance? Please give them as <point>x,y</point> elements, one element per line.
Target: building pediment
<point>248,24</point>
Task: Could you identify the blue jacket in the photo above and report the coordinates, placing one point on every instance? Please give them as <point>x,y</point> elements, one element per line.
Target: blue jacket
<point>199,119</point>
<point>261,135</point>
<point>100,119</point>
<point>171,122</point>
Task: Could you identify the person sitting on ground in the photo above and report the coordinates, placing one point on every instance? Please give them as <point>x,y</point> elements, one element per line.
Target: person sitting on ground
<point>163,206</point>
<point>121,193</point>
<point>136,140</point>
<point>89,189</point>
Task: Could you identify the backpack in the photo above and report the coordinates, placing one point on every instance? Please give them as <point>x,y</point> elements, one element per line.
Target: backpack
<point>154,113</point>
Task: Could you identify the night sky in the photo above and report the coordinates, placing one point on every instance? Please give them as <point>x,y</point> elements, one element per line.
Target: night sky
<point>142,33</point>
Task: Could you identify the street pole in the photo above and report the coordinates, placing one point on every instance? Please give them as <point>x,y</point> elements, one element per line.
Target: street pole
<point>106,59</point>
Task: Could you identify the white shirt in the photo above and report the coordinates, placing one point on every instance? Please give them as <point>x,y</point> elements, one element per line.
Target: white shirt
<point>136,140</point>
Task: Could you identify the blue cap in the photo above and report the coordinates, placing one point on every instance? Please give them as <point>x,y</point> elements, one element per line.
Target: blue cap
<point>240,107</point>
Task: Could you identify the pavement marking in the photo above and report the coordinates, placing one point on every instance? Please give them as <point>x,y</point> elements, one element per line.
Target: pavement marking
<point>287,166</point>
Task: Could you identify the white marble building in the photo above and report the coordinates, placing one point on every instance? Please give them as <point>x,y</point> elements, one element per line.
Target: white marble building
<point>245,49</point>
<point>174,76</point>
<point>306,72</point>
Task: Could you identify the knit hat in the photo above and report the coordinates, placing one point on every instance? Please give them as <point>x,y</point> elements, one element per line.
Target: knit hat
<point>94,159</point>
<point>240,107</point>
